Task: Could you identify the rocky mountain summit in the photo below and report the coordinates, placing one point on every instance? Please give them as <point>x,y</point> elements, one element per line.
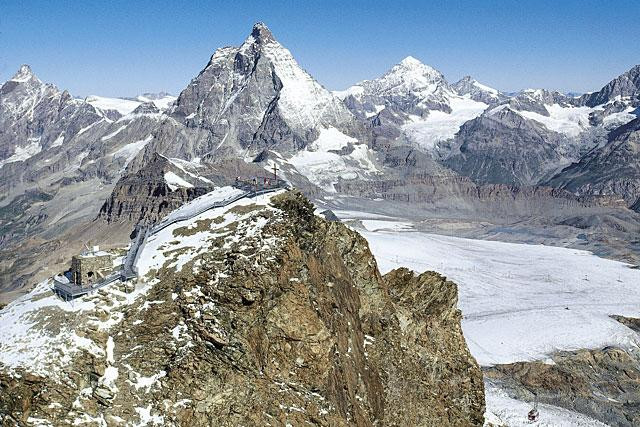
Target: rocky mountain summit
<point>258,313</point>
<point>257,96</point>
<point>624,86</point>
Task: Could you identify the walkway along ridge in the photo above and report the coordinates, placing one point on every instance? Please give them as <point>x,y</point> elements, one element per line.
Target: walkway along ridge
<point>128,270</point>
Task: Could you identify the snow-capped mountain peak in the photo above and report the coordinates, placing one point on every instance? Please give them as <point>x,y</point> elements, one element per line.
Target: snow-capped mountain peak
<point>410,61</point>
<point>24,74</point>
<point>409,87</point>
<point>411,74</point>
<point>260,75</point>
<point>20,94</point>
<point>413,64</point>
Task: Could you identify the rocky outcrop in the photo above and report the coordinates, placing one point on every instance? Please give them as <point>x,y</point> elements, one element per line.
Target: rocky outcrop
<point>462,193</point>
<point>477,91</point>
<point>285,319</point>
<point>145,196</point>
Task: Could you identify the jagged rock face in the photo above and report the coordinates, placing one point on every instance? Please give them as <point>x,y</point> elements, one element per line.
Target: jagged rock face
<point>604,384</point>
<point>502,147</point>
<point>626,85</point>
<point>35,116</point>
<point>277,317</point>
<point>477,91</point>
<point>257,95</point>
<point>146,196</point>
<point>410,87</point>
<point>612,169</point>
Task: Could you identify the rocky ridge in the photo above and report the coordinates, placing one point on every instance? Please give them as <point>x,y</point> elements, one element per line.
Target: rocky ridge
<point>212,338</point>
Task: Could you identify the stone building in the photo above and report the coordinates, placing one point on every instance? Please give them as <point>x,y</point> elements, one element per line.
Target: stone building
<point>91,267</point>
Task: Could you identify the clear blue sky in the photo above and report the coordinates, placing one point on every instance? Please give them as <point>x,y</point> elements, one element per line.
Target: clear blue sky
<point>122,48</point>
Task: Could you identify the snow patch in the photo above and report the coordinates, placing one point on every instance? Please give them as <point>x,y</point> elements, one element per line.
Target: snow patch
<point>570,121</point>
<point>59,140</point>
<point>440,126</point>
<point>322,166</point>
<point>129,151</point>
<point>23,153</point>
<point>122,106</point>
<point>174,181</point>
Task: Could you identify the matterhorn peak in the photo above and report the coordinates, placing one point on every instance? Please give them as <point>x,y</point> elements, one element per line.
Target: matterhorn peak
<point>24,74</point>
<point>261,33</point>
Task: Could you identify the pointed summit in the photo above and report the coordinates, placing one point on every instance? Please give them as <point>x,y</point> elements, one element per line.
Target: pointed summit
<point>259,87</point>
<point>410,61</point>
<point>24,74</point>
<point>625,85</point>
<point>261,33</point>
<point>411,69</point>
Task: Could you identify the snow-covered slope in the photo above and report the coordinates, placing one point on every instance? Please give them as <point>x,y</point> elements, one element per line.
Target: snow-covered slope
<point>122,106</point>
<point>441,126</point>
<point>39,329</point>
<point>321,163</point>
<point>303,102</point>
<point>503,411</point>
<point>162,100</point>
<point>163,250</point>
<point>126,106</point>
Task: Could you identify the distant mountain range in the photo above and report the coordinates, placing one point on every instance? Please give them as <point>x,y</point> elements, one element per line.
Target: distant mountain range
<point>100,164</point>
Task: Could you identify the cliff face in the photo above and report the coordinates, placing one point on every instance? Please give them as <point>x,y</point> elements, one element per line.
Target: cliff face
<point>146,196</point>
<point>274,317</point>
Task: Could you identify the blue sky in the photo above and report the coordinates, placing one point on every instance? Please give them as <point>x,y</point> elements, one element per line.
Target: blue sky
<point>122,48</point>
